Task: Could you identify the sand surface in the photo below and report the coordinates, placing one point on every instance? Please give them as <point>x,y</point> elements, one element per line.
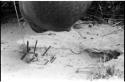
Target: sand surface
<point>68,47</point>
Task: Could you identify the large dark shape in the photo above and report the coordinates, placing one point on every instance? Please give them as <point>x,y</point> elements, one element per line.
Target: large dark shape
<point>52,15</point>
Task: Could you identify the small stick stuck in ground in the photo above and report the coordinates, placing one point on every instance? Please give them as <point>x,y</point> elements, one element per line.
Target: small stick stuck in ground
<point>26,52</point>
<point>35,46</point>
<point>27,46</point>
<point>46,50</point>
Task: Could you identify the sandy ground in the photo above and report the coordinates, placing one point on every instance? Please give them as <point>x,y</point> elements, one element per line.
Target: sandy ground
<point>66,46</point>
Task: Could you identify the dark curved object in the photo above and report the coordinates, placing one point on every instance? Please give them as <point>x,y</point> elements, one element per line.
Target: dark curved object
<point>52,15</point>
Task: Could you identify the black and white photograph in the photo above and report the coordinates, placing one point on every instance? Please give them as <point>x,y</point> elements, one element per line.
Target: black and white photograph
<point>62,41</point>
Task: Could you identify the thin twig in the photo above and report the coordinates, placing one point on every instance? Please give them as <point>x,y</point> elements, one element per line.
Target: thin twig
<point>100,9</point>
<point>27,46</point>
<point>46,50</point>
<point>116,24</point>
<point>46,62</point>
<point>26,52</point>
<point>52,59</point>
<point>3,4</point>
<point>16,13</point>
<point>113,32</point>
<point>18,18</point>
<point>35,46</point>
<point>23,56</point>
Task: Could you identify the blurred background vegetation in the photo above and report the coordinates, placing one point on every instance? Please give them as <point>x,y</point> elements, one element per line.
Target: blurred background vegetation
<point>108,12</point>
